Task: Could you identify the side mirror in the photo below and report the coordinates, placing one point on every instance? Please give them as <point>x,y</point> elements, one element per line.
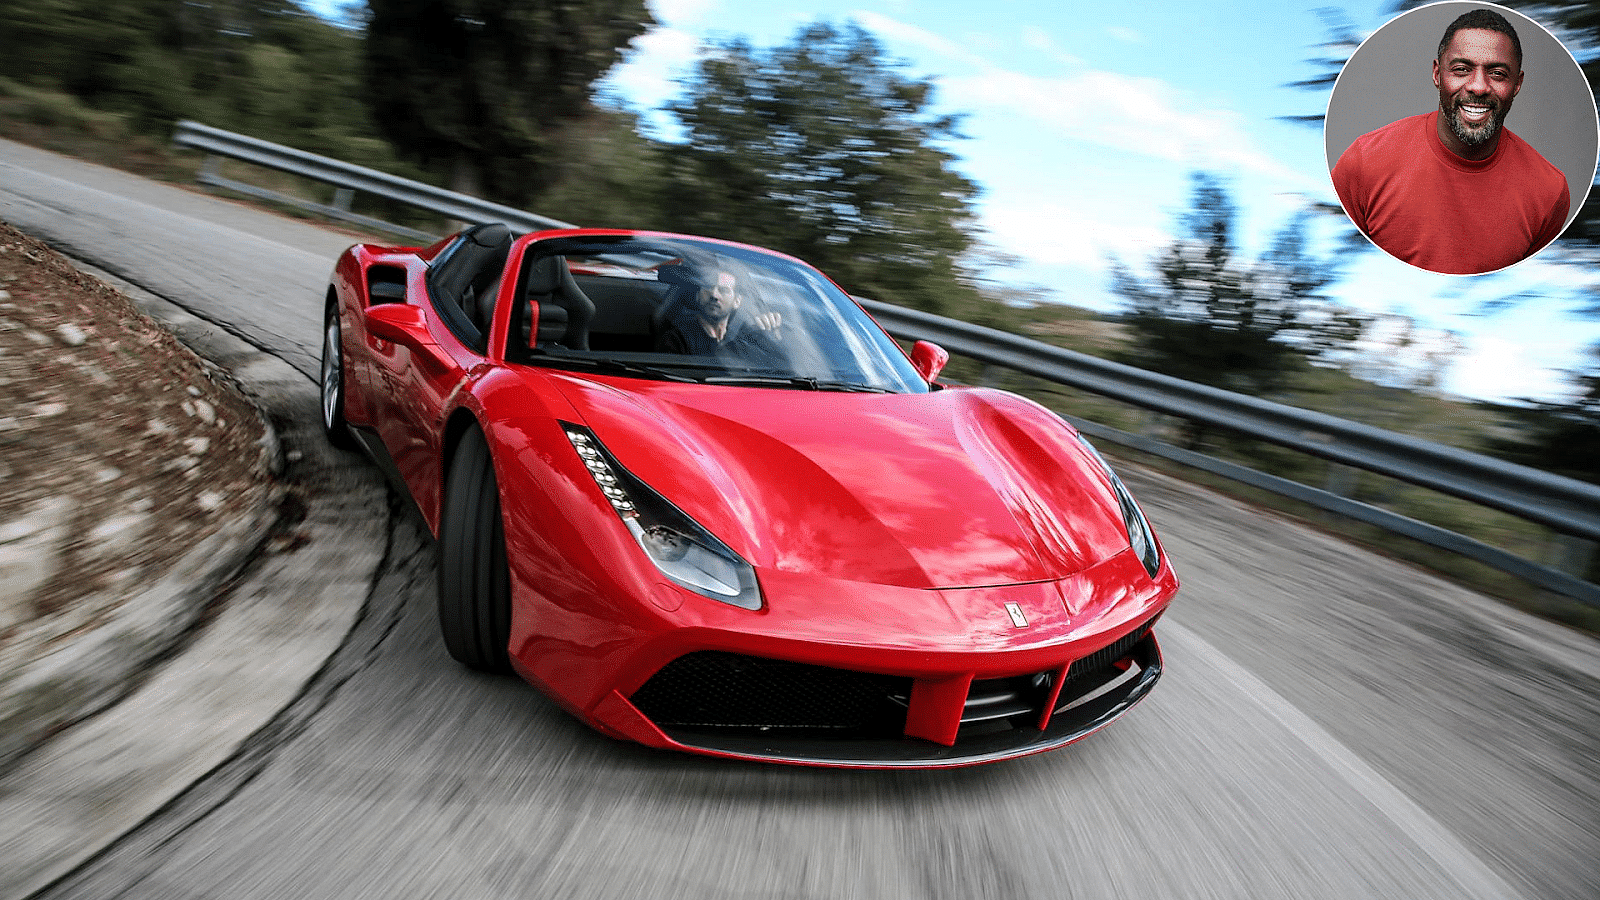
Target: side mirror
<point>398,323</point>
<point>928,359</point>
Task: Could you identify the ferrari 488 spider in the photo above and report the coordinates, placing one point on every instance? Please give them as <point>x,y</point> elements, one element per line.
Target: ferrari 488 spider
<point>690,490</point>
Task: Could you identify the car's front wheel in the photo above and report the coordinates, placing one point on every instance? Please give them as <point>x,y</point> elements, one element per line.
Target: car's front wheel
<point>474,580</point>
<point>333,423</point>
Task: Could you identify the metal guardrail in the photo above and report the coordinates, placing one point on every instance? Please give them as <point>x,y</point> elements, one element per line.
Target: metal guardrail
<point>215,141</point>
<point>1564,505</point>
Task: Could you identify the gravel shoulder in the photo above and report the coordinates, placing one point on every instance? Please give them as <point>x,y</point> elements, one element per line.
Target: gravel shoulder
<point>130,469</point>
<point>182,555</point>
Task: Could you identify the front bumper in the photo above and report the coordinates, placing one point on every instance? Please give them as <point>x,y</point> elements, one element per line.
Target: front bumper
<point>730,705</point>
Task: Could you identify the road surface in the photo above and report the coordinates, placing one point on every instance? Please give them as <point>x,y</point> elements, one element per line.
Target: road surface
<point>1332,723</point>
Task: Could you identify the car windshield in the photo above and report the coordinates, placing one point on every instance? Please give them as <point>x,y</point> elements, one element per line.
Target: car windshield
<point>681,309</point>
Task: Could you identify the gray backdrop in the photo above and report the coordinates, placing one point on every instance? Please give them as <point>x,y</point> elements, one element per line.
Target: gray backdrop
<point>1391,76</point>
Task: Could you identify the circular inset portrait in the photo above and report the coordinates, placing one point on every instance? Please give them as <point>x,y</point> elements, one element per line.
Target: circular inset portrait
<point>1462,138</point>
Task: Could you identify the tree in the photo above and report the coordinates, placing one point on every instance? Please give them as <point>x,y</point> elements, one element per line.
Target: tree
<point>99,52</point>
<point>476,86</point>
<point>265,67</point>
<point>823,148</point>
<point>1209,316</point>
<point>1332,54</point>
<point>603,173</point>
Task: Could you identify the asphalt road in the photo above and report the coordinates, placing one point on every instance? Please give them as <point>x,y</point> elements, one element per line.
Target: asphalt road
<point>1332,723</point>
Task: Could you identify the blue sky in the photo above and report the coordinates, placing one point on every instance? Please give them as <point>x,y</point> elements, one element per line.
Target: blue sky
<point>1084,121</point>
<point>1083,124</point>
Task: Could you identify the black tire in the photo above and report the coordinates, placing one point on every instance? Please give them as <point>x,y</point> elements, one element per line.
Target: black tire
<point>332,382</point>
<point>474,581</point>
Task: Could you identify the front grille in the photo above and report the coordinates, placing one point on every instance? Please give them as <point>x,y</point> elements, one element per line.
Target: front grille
<point>729,692</point>
<point>1105,656</point>
<point>992,699</point>
<point>772,709</point>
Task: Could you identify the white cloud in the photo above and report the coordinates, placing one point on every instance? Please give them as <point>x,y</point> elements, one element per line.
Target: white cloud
<point>1136,115</point>
<point>1128,114</point>
<point>679,13</point>
<point>1037,38</point>
<point>1085,114</point>
<point>895,30</point>
<point>1125,34</point>
<point>648,77</point>
<point>1059,232</point>
<point>960,53</point>
<point>1495,368</point>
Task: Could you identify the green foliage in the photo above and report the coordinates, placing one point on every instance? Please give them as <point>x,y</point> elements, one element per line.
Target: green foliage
<point>823,148</point>
<point>478,86</point>
<point>1342,41</point>
<point>262,67</point>
<point>603,174</point>
<point>93,50</point>
<point>57,121</point>
<point>1211,317</point>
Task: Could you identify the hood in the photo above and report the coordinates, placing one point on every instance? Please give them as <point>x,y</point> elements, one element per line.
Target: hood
<point>954,488</point>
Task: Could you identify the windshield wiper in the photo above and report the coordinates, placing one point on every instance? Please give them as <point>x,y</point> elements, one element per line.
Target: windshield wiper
<point>796,381</point>
<point>628,368</point>
<point>611,366</point>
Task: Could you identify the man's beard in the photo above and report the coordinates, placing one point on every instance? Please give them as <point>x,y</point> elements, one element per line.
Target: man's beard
<point>1476,136</point>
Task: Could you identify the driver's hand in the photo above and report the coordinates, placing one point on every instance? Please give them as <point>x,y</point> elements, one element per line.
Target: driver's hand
<point>769,321</point>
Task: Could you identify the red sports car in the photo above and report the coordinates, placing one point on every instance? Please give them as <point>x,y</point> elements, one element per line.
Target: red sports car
<point>694,493</point>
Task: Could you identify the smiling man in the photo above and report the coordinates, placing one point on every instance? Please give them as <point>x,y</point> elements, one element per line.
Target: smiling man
<point>1454,190</point>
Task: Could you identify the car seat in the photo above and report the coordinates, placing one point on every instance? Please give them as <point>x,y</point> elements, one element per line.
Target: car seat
<point>469,277</point>
<point>563,309</point>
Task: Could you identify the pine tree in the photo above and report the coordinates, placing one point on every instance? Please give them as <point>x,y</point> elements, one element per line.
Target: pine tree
<point>823,148</point>
<point>475,87</point>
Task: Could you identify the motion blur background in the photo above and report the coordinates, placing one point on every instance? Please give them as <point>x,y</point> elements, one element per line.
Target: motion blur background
<point>1133,180</point>
<point>1130,180</point>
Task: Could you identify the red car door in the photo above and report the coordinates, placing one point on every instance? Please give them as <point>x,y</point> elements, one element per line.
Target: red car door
<point>414,378</point>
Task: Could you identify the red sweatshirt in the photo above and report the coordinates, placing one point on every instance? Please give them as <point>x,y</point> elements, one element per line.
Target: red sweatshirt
<point>1429,207</point>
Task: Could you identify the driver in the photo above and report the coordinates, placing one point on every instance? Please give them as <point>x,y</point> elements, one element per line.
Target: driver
<point>712,323</point>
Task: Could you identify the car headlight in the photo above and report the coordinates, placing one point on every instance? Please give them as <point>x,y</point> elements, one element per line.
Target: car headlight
<point>1140,536</point>
<point>679,546</point>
